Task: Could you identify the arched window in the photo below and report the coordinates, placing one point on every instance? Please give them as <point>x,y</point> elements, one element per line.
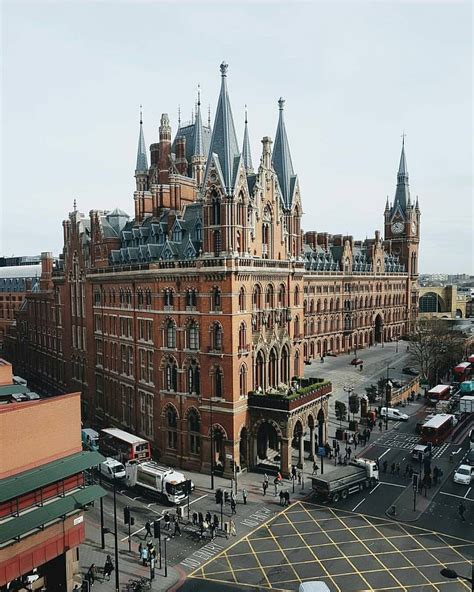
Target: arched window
<point>217,242</point>
<point>243,380</point>
<point>171,376</point>
<point>198,232</point>
<point>216,303</point>
<point>281,296</point>
<point>297,296</point>
<point>194,430</point>
<point>192,337</point>
<point>168,296</point>
<point>122,297</point>
<point>172,426</point>
<point>257,298</point>
<point>191,298</point>
<point>297,326</point>
<point>218,382</point>
<point>217,337</point>
<point>269,300</point>
<point>215,210</point>
<point>148,298</point>
<point>242,299</point>
<point>194,382</point>
<point>129,298</point>
<point>140,299</point>
<point>170,333</point>
<point>242,337</point>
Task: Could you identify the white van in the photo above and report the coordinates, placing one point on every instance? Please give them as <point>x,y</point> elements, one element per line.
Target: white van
<point>393,414</point>
<point>112,468</point>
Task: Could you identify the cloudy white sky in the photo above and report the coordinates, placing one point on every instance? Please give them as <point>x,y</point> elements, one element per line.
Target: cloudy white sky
<point>355,75</point>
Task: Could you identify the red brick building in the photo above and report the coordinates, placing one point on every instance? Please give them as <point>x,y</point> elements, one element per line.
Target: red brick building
<point>201,309</point>
<point>42,488</point>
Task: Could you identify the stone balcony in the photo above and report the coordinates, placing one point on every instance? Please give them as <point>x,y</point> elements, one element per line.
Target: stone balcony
<point>289,402</point>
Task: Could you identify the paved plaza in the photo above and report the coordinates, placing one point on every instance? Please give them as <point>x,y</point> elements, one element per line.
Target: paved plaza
<point>349,552</point>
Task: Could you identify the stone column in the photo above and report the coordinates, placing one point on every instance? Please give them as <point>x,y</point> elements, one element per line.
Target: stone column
<point>311,443</point>
<point>285,455</point>
<point>301,451</point>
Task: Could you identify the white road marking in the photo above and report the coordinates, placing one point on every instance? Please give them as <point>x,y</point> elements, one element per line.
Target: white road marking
<point>354,509</point>
<point>467,492</point>
<point>392,484</point>
<point>132,534</point>
<point>371,492</point>
<point>454,495</point>
<point>197,499</point>
<point>458,450</point>
<point>386,452</point>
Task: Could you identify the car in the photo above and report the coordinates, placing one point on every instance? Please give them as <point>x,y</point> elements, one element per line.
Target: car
<point>393,414</point>
<point>112,469</point>
<point>411,371</point>
<point>356,362</point>
<point>469,460</point>
<point>463,474</point>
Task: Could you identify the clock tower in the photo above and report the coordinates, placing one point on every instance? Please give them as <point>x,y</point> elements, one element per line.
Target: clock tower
<point>402,231</point>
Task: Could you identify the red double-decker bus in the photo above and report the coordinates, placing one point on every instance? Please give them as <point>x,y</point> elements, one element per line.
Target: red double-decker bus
<point>437,429</point>
<point>440,392</point>
<point>123,446</point>
<point>463,371</point>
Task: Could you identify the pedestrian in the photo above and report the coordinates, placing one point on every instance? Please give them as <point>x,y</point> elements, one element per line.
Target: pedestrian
<point>264,487</point>
<point>392,469</point>
<point>349,452</point>
<point>282,497</point>
<point>299,477</point>
<point>92,572</point>
<point>201,530</point>
<point>208,517</point>
<point>244,496</point>
<point>407,469</point>
<point>287,498</point>
<point>265,478</point>
<point>232,507</point>
<point>380,425</point>
<point>328,450</point>
<point>368,435</point>
<point>451,457</point>
<point>216,521</point>
<point>167,521</point>
<point>461,511</point>
<point>293,472</point>
<point>147,530</point>
<point>108,567</point>
<point>338,449</point>
<point>195,518</point>
<point>384,465</point>
<point>356,439</point>
<point>201,518</point>
<point>177,529</point>
<point>144,556</point>
<point>397,469</point>
<point>212,529</point>
<point>275,482</point>
<point>315,468</point>
<point>140,549</point>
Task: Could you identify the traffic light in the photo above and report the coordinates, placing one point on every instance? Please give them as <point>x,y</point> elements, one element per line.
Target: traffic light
<point>157,529</point>
<point>219,496</point>
<point>415,478</point>
<point>188,486</point>
<point>127,517</point>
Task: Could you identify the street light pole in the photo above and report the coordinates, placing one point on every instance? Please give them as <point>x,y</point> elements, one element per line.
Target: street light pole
<point>117,579</point>
<point>102,533</point>
<point>212,443</point>
<point>386,396</point>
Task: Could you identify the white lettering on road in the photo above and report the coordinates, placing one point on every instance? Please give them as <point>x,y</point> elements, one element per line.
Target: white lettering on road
<point>256,518</point>
<point>205,553</point>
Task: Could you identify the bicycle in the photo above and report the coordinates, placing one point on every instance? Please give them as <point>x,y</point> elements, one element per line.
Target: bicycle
<point>139,585</point>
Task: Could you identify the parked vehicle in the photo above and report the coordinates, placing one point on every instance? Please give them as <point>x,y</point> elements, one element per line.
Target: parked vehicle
<point>410,371</point>
<point>469,460</point>
<point>466,404</point>
<point>167,483</point>
<point>471,439</point>
<point>420,451</point>
<point>359,474</point>
<point>123,446</point>
<point>313,587</point>
<point>440,392</point>
<point>467,387</point>
<point>464,474</point>
<point>90,439</point>
<point>393,414</point>
<point>112,469</point>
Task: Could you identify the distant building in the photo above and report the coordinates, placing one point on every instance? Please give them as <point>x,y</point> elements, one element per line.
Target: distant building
<point>445,302</point>
<point>43,492</point>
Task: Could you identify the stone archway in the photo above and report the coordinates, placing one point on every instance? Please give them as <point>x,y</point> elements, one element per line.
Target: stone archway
<point>378,331</point>
<point>298,441</point>
<point>268,442</point>
<point>321,425</point>
<point>243,448</point>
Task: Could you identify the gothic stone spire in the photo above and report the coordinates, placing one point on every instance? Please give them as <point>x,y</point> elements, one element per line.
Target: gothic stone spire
<point>246,154</point>
<point>142,160</point>
<point>402,193</point>
<point>282,162</point>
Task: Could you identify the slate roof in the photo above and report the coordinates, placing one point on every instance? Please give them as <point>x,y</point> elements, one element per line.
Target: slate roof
<point>320,259</point>
<point>13,272</point>
<point>402,193</point>
<point>151,241</point>
<point>282,162</point>
<point>190,133</point>
<point>224,148</point>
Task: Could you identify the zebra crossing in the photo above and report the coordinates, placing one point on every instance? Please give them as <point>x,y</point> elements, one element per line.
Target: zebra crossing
<point>407,442</point>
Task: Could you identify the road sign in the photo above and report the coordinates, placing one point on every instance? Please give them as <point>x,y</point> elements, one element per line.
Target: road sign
<point>321,451</point>
<point>415,478</point>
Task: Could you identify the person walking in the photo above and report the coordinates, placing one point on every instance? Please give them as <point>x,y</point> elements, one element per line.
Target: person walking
<point>212,529</point>
<point>299,477</point>
<point>140,549</point>
<point>144,556</point>
<point>282,497</point>
<point>108,567</point>
<point>368,435</point>
<point>349,452</point>
<point>315,468</point>
<point>232,507</point>
<point>435,475</point>
<point>287,498</point>
<point>195,519</point>
<point>384,465</point>
<point>264,487</point>
<point>244,496</point>
<point>167,521</point>
<point>91,573</point>
<point>208,517</point>
<point>275,482</point>
<point>293,472</point>
<point>356,440</point>
<point>177,529</point>
<point>392,469</point>
<point>462,511</point>
<point>397,469</point>
<point>380,425</point>
<point>265,478</point>
<point>216,521</point>
<point>148,532</point>
<point>232,529</point>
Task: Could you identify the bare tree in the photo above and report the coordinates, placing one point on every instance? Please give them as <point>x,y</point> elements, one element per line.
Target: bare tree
<point>436,348</point>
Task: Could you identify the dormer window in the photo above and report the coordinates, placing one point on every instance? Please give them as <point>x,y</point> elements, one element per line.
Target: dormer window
<point>198,232</point>
<point>177,234</point>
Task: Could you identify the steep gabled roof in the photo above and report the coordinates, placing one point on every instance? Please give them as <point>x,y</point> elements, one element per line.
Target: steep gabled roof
<point>282,162</point>
<point>224,148</point>
<point>402,193</point>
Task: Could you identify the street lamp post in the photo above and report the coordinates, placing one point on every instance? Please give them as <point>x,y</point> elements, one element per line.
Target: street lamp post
<point>452,575</point>
<point>165,539</point>
<point>102,533</point>
<point>212,443</point>
<point>386,396</point>
<point>117,579</point>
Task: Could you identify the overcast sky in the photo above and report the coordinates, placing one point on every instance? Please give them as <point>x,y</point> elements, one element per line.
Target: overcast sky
<point>355,75</point>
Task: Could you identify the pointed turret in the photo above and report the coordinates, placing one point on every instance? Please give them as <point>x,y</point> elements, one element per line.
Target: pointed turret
<point>402,194</point>
<point>417,204</point>
<point>246,154</point>
<point>224,146</point>
<point>142,160</point>
<point>198,149</point>
<point>387,205</point>
<point>282,159</point>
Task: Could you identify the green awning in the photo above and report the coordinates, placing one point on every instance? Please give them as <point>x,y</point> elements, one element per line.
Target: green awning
<point>30,521</point>
<point>18,485</point>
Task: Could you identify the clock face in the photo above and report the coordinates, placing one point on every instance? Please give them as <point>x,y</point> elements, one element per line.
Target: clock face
<point>397,227</point>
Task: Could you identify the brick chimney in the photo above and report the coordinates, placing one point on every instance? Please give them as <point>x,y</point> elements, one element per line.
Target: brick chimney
<point>46,282</point>
<point>181,162</point>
